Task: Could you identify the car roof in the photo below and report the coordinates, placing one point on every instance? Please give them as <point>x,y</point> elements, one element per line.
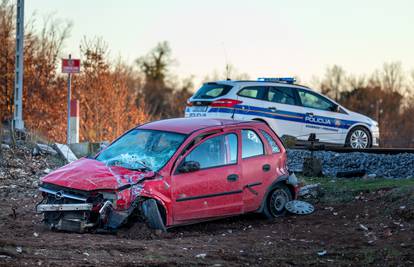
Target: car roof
<point>255,83</point>
<point>190,125</point>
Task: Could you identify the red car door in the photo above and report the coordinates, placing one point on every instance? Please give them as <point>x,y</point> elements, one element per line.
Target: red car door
<point>215,189</point>
<point>257,168</point>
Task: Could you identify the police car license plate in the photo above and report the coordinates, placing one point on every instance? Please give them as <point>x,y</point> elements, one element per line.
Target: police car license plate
<point>199,109</point>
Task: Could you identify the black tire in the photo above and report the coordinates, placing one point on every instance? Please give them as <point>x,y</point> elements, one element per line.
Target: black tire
<point>276,201</point>
<point>354,134</point>
<point>152,215</point>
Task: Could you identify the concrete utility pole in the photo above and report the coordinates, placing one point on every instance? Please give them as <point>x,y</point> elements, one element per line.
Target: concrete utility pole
<point>19,68</point>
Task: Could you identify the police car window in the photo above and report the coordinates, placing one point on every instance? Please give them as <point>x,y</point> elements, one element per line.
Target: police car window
<point>251,144</point>
<point>208,91</point>
<point>217,151</point>
<point>283,95</point>
<point>271,141</point>
<point>253,92</point>
<point>311,100</point>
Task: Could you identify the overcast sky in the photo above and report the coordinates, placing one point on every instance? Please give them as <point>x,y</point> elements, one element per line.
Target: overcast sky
<point>261,38</point>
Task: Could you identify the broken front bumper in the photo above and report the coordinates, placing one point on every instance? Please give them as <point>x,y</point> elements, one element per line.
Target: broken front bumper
<point>63,207</point>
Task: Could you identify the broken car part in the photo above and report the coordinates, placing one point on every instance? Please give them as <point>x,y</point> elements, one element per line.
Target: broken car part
<point>299,207</point>
<point>63,207</point>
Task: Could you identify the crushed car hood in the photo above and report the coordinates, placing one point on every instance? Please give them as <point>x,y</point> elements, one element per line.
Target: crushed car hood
<point>89,174</point>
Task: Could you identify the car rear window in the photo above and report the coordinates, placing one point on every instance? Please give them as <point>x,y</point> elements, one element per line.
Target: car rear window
<point>210,90</point>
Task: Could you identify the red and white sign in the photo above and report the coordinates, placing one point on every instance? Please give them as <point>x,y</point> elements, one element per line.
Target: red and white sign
<point>70,65</point>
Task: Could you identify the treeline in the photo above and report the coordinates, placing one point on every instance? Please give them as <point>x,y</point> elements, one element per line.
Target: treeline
<point>115,96</point>
<point>387,95</point>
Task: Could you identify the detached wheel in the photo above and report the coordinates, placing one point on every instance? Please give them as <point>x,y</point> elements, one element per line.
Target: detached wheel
<point>358,137</point>
<point>276,201</point>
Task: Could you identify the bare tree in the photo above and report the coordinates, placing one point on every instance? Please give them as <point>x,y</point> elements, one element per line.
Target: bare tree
<point>334,81</point>
<point>156,63</point>
<point>392,77</point>
<point>356,82</point>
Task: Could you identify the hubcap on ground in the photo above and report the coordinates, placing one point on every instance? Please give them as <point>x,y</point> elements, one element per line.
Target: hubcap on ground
<point>278,201</point>
<point>359,139</point>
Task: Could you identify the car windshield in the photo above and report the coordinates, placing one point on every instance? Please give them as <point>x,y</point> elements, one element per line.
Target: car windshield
<point>142,149</point>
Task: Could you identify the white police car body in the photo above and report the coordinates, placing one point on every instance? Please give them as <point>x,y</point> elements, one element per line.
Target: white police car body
<point>290,109</point>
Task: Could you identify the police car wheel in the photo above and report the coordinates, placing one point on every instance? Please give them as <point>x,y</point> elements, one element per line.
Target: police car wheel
<point>359,137</point>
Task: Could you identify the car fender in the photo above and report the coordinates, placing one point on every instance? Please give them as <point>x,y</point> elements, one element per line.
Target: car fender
<point>362,125</point>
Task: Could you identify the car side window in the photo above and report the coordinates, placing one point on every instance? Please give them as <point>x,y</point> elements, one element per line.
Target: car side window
<point>282,95</point>
<point>312,100</point>
<point>252,145</point>
<point>271,141</point>
<point>217,151</point>
<point>257,92</point>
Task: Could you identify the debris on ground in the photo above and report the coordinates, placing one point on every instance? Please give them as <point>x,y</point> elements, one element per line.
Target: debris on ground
<point>312,190</point>
<point>66,152</point>
<point>299,207</point>
<point>43,149</point>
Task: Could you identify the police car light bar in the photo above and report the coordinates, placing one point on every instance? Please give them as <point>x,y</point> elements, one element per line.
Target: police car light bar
<point>283,80</point>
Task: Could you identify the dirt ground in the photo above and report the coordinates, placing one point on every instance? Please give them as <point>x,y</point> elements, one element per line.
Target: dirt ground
<point>375,228</point>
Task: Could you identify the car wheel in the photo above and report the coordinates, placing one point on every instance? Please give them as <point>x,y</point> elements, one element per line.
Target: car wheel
<point>276,201</point>
<point>152,214</point>
<point>359,137</point>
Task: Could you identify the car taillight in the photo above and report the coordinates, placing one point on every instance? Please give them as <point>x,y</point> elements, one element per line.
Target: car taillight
<point>229,103</point>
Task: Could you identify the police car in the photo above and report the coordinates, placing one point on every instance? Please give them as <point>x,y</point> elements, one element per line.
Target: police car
<point>288,108</point>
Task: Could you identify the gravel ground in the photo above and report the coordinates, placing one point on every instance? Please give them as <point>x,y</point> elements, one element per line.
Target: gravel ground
<point>380,165</point>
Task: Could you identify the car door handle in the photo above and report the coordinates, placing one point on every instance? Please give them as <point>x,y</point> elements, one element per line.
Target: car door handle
<point>309,114</point>
<point>232,177</point>
<point>266,167</point>
<point>272,108</point>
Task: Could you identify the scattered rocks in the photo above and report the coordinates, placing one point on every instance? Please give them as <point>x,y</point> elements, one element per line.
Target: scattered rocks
<point>322,253</point>
<point>201,255</point>
<point>41,148</point>
<point>5,146</point>
<point>375,165</point>
<point>20,170</point>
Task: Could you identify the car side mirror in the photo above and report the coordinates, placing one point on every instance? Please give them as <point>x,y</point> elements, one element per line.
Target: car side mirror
<point>189,166</point>
<point>335,108</point>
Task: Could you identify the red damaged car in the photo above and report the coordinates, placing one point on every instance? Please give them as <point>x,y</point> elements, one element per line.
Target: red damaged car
<point>172,172</point>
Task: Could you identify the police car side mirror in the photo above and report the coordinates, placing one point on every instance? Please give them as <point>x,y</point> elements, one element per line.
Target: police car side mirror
<point>335,108</point>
